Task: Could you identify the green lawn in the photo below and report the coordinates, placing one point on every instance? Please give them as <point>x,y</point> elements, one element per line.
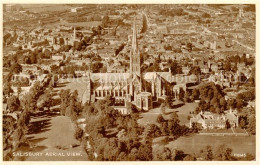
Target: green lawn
<point>53,137</point>
<point>193,144</point>
<point>183,112</point>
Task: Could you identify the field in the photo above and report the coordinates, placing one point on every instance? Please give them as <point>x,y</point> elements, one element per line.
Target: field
<point>193,144</point>
<point>52,135</point>
<point>46,8</point>
<point>48,136</point>
<point>183,112</point>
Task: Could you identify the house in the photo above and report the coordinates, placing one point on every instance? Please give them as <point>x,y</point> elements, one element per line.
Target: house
<point>57,57</point>
<point>214,67</point>
<point>204,69</point>
<point>209,120</point>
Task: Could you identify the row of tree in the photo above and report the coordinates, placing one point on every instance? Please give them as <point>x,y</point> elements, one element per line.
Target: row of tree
<point>24,109</point>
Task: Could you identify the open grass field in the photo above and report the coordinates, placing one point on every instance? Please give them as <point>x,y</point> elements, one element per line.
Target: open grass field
<point>193,144</point>
<point>183,112</point>
<point>53,137</point>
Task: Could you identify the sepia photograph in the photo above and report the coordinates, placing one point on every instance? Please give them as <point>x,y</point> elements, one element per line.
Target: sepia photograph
<point>128,82</point>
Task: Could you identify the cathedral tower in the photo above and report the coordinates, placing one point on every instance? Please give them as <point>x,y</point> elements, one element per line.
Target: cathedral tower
<point>135,66</point>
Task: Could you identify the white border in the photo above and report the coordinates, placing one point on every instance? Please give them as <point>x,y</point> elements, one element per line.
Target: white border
<point>257,162</point>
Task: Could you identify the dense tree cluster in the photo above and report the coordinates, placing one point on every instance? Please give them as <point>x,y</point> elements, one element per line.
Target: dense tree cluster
<point>8,39</point>
<point>104,124</point>
<point>211,98</point>
<point>247,120</point>
<point>175,67</point>
<point>195,70</point>
<point>220,153</point>
<point>242,99</point>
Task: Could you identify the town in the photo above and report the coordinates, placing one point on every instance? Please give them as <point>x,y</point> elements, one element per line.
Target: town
<point>130,82</point>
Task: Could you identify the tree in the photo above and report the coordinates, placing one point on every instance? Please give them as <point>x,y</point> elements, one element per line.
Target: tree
<point>211,95</point>
<point>207,154</point>
<point>227,66</point>
<point>251,79</point>
<point>239,104</point>
<point>163,154</point>
<point>65,97</point>
<point>223,153</point>
<point>160,119</point>
<point>227,124</point>
<point>195,94</point>
<point>18,137</point>
<point>7,89</point>
<point>13,104</point>
<point>181,94</point>
<point>16,68</point>
<point>195,70</point>
<point>242,121</point>
<point>179,155</point>
<point>29,102</point>
<point>175,67</point>
<point>223,103</point>
<point>252,125</point>
<point>78,134</point>
<point>189,158</point>
<point>145,151</point>
<point>47,99</point>
<point>196,127</point>
<point>187,96</point>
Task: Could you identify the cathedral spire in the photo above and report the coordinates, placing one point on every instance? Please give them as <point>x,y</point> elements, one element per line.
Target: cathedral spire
<point>135,66</point>
<point>134,39</point>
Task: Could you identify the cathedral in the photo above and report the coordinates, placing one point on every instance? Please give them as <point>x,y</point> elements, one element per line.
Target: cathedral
<point>140,89</point>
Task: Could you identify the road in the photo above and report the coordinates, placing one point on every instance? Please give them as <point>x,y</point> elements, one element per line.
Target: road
<point>239,43</point>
